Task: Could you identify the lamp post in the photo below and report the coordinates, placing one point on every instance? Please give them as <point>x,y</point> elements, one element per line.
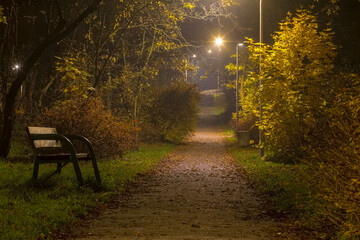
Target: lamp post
<point>186,67</point>
<point>16,68</point>
<point>261,150</point>
<point>237,84</point>
<point>219,41</point>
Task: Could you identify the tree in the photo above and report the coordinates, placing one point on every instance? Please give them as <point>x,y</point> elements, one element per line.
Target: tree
<point>58,31</point>
<point>127,46</point>
<point>295,82</point>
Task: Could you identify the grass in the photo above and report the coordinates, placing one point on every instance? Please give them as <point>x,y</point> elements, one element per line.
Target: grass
<point>34,211</point>
<point>282,183</point>
<point>19,149</point>
<point>220,103</point>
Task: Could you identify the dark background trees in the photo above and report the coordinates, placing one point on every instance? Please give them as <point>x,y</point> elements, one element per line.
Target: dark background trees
<point>54,51</point>
<point>47,26</point>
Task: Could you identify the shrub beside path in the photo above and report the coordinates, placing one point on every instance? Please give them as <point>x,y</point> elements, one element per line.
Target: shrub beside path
<point>197,192</point>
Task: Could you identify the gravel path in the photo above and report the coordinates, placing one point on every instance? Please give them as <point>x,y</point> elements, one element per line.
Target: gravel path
<point>197,192</point>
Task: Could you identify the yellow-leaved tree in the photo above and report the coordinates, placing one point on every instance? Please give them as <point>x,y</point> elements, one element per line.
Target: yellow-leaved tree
<point>295,86</point>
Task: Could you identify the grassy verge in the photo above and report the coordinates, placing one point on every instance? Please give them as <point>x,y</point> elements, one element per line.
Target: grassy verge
<point>220,103</point>
<point>29,211</point>
<point>283,184</point>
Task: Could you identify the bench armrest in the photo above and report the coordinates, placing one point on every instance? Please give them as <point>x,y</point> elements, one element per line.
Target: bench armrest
<point>91,152</point>
<point>84,140</point>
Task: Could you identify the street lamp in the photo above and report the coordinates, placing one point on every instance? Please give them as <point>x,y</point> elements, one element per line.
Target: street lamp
<point>237,84</point>
<point>261,150</point>
<point>16,68</point>
<point>218,41</point>
<point>186,67</point>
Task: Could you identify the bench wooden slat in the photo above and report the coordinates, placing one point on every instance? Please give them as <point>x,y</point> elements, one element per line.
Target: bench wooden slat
<point>44,143</point>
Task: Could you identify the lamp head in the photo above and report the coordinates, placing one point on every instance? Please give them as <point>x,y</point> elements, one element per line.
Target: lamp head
<point>219,41</point>
<point>16,67</point>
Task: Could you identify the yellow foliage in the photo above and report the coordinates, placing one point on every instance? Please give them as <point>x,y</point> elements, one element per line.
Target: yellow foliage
<point>293,86</point>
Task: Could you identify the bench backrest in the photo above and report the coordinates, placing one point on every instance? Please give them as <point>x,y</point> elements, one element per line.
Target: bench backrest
<point>43,143</point>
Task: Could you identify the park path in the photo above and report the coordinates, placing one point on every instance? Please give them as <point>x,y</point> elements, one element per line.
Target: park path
<point>197,192</point>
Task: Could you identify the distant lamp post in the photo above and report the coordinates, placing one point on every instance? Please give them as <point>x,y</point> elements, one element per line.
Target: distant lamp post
<point>237,84</point>
<point>16,67</point>
<point>218,41</point>
<point>186,66</point>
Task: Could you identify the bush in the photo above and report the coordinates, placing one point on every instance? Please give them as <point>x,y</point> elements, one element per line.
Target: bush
<point>296,83</point>
<point>88,117</point>
<point>246,121</point>
<point>335,164</point>
<point>174,111</point>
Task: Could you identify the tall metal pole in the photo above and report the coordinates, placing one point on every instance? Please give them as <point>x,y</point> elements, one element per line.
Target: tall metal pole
<point>236,86</point>
<point>261,150</point>
<point>218,70</point>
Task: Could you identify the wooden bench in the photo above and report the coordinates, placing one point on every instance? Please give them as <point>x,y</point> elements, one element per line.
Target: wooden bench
<point>50,147</point>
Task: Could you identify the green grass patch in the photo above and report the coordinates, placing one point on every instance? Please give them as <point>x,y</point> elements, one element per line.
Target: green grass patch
<point>227,130</point>
<point>19,148</point>
<point>220,103</point>
<point>34,211</point>
<point>282,183</point>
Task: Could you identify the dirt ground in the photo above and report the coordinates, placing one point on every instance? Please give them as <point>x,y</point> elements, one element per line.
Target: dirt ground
<point>197,192</point>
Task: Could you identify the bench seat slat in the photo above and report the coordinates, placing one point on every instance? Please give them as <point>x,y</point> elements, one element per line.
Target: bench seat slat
<point>51,158</point>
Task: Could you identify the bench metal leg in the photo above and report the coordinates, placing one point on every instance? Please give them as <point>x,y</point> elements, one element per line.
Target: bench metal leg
<point>96,170</point>
<point>58,168</point>
<point>78,171</point>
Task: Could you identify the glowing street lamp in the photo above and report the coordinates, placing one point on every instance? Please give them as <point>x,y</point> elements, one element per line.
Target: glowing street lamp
<point>16,67</point>
<point>218,41</point>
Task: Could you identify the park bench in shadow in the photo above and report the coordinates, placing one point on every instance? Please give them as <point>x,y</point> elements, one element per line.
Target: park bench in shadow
<point>50,147</point>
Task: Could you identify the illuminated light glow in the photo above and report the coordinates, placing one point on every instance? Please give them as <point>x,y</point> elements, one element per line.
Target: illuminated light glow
<point>194,56</point>
<point>219,41</point>
<point>209,51</point>
<point>16,67</point>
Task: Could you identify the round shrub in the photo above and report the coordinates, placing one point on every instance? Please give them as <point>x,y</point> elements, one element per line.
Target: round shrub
<point>89,118</point>
<point>174,111</point>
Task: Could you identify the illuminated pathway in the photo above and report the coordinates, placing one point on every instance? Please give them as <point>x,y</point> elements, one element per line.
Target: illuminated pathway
<point>195,193</point>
